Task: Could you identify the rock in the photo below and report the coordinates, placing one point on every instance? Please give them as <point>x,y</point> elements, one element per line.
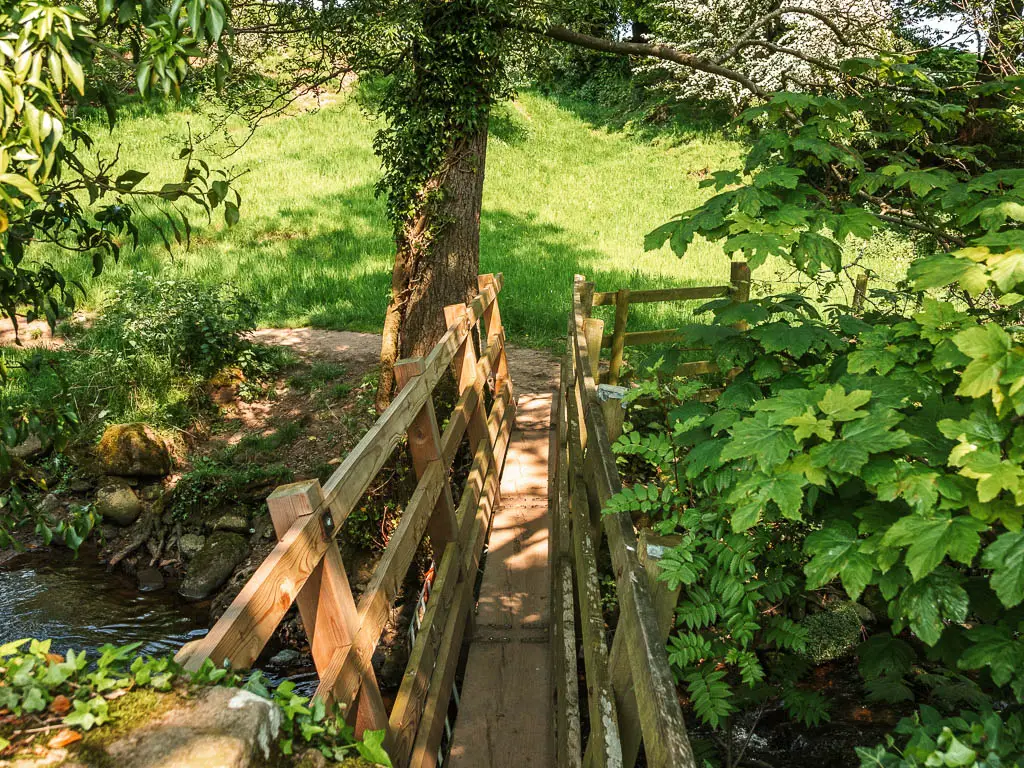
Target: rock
<point>286,658</point>
<point>152,492</point>
<point>32,447</point>
<point>150,580</point>
<point>118,505</point>
<point>225,727</point>
<point>133,450</point>
<point>833,633</point>
<point>190,545</point>
<point>235,522</point>
<point>213,566</point>
<point>80,486</point>
<point>49,504</point>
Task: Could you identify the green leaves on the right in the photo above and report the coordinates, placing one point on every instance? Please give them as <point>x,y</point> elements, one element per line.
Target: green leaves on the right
<point>1005,556</point>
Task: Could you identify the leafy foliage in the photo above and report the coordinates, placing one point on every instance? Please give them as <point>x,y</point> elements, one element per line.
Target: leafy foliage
<point>76,691</point>
<point>51,189</point>
<point>877,455</point>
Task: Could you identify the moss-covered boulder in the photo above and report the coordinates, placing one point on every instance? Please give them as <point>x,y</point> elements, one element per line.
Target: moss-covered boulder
<point>212,567</point>
<point>833,633</point>
<point>133,450</point>
<point>118,505</point>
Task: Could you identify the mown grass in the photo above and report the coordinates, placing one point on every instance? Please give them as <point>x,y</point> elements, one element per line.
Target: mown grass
<point>567,191</point>
<point>563,196</point>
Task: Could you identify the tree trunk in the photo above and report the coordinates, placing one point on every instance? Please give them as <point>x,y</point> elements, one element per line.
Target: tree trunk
<point>437,259</point>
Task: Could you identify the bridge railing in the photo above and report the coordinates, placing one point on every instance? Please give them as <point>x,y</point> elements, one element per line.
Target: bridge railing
<point>306,567</point>
<point>631,697</point>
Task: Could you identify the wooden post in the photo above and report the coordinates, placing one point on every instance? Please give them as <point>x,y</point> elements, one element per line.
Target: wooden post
<point>739,276</point>
<point>619,335</point>
<point>586,294</point>
<point>425,447</point>
<point>614,417</point>
<point>328,611</point>
<point>464,367</point>
<point>595,333</point>
<point>860,292</point>
<point>651,549</point>
<point>492,330</point>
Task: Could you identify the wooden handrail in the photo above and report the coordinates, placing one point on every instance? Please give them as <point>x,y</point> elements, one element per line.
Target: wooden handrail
<point>605,298</point>
<point>637,682</point>
<point>306,565</point>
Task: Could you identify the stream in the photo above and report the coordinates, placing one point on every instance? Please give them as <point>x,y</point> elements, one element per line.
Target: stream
<point>78,604</point>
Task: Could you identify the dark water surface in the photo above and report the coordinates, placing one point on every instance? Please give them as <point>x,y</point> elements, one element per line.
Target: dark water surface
<point>78,604</point>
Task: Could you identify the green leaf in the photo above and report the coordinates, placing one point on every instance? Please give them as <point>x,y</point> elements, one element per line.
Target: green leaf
<point>809,425</point>
<point>755,437</point>
<point>929,541</point>
<point>840,406</point>
<point>1005,556</point>
<point>835,551</point>
<point>925,605</point>
<point>371,748</point>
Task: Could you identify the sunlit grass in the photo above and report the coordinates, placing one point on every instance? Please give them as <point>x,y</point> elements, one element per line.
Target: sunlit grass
<point>563,195</point>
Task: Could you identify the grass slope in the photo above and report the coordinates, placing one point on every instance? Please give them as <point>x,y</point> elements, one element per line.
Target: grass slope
<point>563,195</point>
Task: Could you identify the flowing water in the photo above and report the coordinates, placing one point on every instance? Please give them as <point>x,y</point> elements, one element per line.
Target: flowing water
<point>77,603</point>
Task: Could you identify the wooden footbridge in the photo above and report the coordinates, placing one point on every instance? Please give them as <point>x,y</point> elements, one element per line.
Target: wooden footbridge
<point>494,676</point>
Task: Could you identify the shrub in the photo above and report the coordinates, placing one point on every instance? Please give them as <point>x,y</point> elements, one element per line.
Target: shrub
<point>158,341</point>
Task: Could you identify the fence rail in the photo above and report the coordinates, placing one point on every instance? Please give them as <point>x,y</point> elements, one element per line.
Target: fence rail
<point>631,694</point>
<point>306,567</point>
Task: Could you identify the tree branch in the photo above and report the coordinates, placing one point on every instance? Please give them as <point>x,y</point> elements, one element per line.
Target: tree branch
<point>840,35</point>
<point>649,50</point>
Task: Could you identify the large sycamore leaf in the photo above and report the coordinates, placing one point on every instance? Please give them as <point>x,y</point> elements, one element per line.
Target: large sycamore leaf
<point>835,551</point>
<point>756,438</point>
<point>930,540</point>
<point>1005,556</point>
<point>988,346</point>
<point>927,604</point>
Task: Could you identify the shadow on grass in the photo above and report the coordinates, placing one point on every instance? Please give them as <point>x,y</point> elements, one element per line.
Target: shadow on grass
<point>624,109</point>
<point>328,264</point>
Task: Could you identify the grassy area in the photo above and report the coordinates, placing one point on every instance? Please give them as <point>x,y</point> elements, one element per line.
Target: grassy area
<point>563,195</point>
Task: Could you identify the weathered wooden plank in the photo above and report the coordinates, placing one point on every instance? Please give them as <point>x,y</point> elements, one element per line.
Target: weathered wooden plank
<point>568,750</point>
<point>605,298</point>
<point>604,748</point>
<point>665,740</point>
<point>651,550</point>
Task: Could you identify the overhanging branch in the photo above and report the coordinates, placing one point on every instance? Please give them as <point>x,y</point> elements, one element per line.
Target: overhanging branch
<point>649,50</point>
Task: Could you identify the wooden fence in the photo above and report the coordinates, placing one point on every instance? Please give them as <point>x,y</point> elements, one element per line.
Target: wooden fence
<point>738,288</point>
<point>306,567</point>
<point>631,692</point>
